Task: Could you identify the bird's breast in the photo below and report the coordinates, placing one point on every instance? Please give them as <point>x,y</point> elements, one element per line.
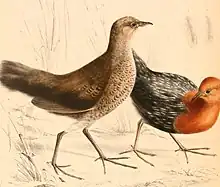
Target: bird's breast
<point>200,121</point>
<point>119,87</point>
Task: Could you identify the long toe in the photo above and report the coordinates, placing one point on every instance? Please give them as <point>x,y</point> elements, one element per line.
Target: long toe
<point>194,151</point>
<point>124,152</point>
<point>133,149</point>
<point>138,152</point>
<point>118,163</point>
<point>114,158</point>
<point>200,153</point>
<point>56,168</point>
<point>139,156</point>
<point>64,166</point>
<point>200,148</point>
<point>145,153</point>
<point>111,160</point>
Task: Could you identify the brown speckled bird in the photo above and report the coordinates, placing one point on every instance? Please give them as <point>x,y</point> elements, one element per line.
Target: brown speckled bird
<point>86,94</point>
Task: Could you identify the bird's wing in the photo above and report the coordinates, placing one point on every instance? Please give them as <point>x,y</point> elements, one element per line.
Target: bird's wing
<point>78,91</point>
<point>158,105</point>
<point>54,107</point>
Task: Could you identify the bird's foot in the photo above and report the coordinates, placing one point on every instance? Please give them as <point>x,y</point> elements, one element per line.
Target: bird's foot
<point>138,152</point>
<point>194,151</point>
<point>134,149</point>
<point>56,168</point>
<point>104,158</point>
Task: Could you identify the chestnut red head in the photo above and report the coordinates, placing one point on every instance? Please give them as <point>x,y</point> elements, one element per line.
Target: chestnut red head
<point>209,90</point>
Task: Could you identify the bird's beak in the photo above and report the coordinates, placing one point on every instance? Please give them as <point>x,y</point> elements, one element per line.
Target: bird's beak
<point>143,23</point>
<point>197,95</point>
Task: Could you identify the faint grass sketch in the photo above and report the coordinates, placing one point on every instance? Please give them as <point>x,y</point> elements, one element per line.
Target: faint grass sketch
<point>194,175</point>
<point>196,172</point>
<point>190,31</point>
<point>30,145</point>
<point>45,185</point>
<point>27,169</point>
<point>95,9</point>
<point>26,112</point>
<point>99,9</point>
<point>49,32</point>
<point>123,124</point>
<point>23,119</point>
<point>154,183</point>
<point>181,178</point>
<point>66,26</point>
<point>209,29</point>
<point>8,131</point>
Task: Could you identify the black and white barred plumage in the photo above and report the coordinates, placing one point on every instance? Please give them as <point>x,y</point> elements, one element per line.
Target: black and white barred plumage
<point>157,96</point>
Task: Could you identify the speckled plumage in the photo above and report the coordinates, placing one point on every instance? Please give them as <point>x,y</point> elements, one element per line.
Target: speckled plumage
<point>86,94</point>
<point>158,96</point>
<point>164,101</point>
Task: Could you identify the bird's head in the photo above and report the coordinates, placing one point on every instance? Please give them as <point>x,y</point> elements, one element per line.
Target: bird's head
<point>126,26</point>
<point>209,90</point>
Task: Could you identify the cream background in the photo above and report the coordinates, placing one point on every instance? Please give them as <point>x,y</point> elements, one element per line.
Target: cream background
<point>167,46</point>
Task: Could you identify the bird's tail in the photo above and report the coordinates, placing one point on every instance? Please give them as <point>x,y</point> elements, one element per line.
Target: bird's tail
<point>16,76</point>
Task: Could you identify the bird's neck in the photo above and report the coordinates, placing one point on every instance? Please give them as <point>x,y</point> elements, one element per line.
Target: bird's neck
<point>201,106</point>
<point>201,117</point>
<point>118,45</point>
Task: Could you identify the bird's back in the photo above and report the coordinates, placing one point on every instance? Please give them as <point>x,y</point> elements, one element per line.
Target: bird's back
<point>158,96</point>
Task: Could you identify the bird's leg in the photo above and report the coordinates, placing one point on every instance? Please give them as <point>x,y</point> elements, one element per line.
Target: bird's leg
<point>54,158</point>
<point>191,150</point>
<point>101,154</point>
<point>181,147</point>
<point>139,126</point>
<point>134,148</point>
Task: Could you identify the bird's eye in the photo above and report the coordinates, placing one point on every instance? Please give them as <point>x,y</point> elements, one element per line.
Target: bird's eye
<point>133,24</point>
<point>207,91</point>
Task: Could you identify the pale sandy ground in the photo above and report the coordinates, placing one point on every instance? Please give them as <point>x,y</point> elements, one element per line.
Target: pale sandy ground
<point>185,40</point>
